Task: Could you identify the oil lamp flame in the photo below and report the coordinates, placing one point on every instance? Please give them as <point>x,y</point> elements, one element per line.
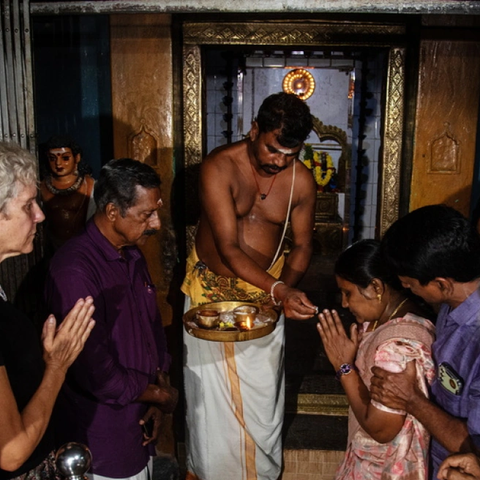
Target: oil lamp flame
<point>245,316</point>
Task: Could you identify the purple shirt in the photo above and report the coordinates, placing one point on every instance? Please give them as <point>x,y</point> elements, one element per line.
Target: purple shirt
<point>457,356</point>
<point>97,406</point>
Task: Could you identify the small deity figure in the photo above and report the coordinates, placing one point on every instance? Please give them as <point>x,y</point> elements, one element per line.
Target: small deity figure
<point>66,190</point>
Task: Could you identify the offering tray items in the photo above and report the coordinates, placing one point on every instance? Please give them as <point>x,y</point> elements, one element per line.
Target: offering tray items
<point>229,328</point>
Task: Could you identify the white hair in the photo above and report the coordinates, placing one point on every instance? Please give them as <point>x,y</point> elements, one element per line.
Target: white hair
<point>17,167</point>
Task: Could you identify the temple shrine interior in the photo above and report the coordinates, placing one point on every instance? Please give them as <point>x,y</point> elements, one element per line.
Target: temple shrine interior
<point>394,95</point>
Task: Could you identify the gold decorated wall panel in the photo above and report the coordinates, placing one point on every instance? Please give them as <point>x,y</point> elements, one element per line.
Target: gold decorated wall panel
<point>290,33</point>
<point>142,82</point>
<point>446,124</point>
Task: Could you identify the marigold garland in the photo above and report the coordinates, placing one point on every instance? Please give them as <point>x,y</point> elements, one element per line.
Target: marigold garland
<point>321,165</point>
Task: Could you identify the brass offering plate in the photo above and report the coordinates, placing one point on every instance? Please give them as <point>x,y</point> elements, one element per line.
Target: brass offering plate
<point>264,323</point>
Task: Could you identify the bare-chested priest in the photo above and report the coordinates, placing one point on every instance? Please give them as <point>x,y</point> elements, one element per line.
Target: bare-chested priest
<point>66,190</point>
<point>248,191</point>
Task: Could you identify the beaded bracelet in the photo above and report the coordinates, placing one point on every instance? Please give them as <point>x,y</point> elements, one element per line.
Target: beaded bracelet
<point>278,282</point>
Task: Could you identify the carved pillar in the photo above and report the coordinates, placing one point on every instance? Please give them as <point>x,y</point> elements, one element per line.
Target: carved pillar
<point>141,59</point>
<point>446,124</point>
<point>392,139</point>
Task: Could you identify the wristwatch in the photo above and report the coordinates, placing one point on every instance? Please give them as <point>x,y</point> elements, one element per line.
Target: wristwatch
<point>345,369</point>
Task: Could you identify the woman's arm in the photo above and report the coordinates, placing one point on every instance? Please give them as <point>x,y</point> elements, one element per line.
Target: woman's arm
<point>22,431</point>
<point>381,426</point>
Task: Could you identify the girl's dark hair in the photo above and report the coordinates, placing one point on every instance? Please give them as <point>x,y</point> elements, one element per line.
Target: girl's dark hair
<point>362,262</point>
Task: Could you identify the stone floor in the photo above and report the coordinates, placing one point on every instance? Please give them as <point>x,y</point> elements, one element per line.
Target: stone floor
<point>166,467</point>
<point>310,464</point>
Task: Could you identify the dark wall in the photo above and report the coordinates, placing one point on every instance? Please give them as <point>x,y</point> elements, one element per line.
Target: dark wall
<point>72,82</point>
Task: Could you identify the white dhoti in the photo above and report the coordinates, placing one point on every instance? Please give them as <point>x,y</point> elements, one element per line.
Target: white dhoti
<point>235,397</point>
<point>235,400</point>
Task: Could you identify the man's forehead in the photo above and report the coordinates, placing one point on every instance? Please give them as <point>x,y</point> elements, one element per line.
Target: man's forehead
<point>280,148</point>
<point>146,197</point>
<point>287,151</point>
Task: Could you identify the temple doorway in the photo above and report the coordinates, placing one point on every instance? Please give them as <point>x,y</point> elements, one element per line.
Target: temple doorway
<point>356,94</point>
<point>344,89</point>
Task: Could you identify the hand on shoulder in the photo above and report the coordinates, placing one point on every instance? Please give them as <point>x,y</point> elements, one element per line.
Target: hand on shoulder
<point>394,390</point>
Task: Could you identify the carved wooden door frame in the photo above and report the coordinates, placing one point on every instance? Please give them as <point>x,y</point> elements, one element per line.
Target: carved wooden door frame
<point>312,33</point>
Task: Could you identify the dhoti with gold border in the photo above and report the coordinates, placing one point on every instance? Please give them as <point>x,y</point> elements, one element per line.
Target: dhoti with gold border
<point>234,391</point>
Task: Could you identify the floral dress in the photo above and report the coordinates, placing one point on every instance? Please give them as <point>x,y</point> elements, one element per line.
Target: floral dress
<point>391,346</point>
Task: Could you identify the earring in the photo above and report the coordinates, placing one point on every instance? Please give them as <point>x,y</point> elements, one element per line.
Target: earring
<point>379,297</point>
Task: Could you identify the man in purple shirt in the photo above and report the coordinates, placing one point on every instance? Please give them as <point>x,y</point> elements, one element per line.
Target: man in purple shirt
<point>116,386</point>
<point>436,254</point>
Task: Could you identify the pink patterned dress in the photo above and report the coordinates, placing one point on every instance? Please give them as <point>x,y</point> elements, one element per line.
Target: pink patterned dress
<point>390,347</point>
